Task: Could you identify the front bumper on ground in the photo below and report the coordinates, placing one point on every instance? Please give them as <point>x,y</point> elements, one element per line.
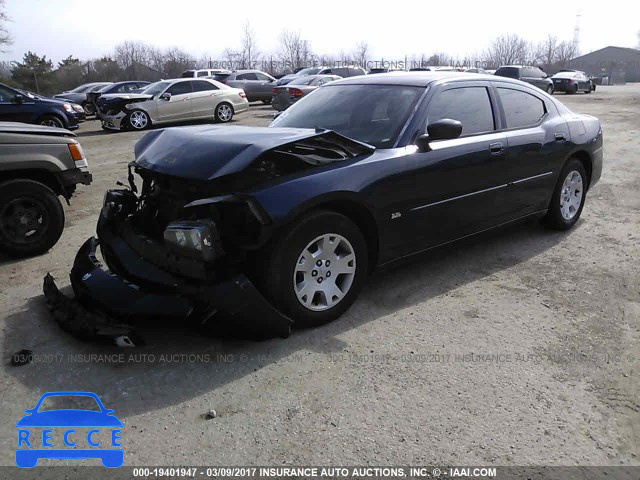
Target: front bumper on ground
<point>107,305</point>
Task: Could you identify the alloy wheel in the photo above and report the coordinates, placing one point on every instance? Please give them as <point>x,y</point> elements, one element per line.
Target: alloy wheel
<point>324,272</point>
<point>571,195</point>
<point>138,120</point>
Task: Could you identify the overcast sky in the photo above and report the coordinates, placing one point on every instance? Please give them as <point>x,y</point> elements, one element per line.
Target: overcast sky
<point>88,28</point>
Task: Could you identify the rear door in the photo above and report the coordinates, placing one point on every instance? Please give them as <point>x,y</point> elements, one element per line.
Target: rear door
<point>204,99</point>
<point>265,86</point>
<point>537,143</point>
<point>249,83</point>
<point>179,106</point>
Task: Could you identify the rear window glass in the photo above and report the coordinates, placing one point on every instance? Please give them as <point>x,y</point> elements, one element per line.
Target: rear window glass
<point>511,72</point>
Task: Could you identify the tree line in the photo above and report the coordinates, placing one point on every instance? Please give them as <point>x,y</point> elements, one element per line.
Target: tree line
<point>135,60</point>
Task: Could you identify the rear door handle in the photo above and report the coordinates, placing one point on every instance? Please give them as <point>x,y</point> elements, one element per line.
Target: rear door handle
<point>496,148</point>
<point>560,137</point>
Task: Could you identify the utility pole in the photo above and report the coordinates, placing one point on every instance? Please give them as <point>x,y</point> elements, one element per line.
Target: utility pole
<point>576,34</point>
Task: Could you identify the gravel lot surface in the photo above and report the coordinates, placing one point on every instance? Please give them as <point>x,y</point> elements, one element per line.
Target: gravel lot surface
<point>520,348</point>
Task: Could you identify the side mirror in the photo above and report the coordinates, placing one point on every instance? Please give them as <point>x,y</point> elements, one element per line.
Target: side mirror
<point>19,98</point>
<point>166,96</point>
<point>445,129</point>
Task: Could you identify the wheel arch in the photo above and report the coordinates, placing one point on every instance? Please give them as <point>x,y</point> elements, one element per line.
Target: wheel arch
<point>586,161</point>
<point>42,176</point>
<point>63,119</point>
<point>354,210</point>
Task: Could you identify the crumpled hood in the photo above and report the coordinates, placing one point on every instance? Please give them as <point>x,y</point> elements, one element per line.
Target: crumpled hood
<point>124,96</point>
<point>210,151</point>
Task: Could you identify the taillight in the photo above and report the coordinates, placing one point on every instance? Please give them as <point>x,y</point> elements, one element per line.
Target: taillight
<point>569,81</point>
<point>242,94</point>
<point>296,92</point>
<point>274,91</point>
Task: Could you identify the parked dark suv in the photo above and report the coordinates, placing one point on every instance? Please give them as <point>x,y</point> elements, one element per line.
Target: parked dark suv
<point>532,75</point>
<point>18,107</point>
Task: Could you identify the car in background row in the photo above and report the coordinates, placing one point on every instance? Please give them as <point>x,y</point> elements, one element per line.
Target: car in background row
<point>131,86</point>
<point>79,95</point>
<point>572,81</point>
<point>15,106</point>
<point>477,70</point>
<point>257,85</point>
<point>532,75</point>
<point>172,101</point>
<point>203,72</point>
<point>82,116</point>
<point>286,95</point>
<point>343,72</point>
<point>37,164</point>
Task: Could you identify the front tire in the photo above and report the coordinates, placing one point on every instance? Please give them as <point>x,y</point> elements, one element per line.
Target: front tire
<point>139,120</point>
<point>51,121</point>
<point>89,108</point>
<point>550,89</point>
<point>224,113</point>
<point>31,218</point>
<point>315,270</point>
<point>568,197</point>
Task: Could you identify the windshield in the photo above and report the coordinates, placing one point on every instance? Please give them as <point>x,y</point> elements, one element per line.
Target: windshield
<point>373,114</point>
<point>80,89</point>
<point>306,80</point>
<point>79,402</point>
<point>155,88</point>
<point>308,71</point>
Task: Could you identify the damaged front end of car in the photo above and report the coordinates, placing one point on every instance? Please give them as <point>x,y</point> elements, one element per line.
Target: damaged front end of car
<point>180,244</point>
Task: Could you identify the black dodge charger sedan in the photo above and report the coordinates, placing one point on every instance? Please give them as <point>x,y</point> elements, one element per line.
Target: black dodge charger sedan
<point>264,228</point>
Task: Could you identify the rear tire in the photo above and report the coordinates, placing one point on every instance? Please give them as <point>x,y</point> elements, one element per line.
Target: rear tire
<point>568,196</point>
<point>550,89</point>
<point>31,218</point>
<point>89,108</point>
<point>314,271</point>
<point>266,102</point>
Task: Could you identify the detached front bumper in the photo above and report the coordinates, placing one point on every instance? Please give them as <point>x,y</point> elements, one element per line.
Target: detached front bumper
<point>108,305</point>
<point>112,122</point>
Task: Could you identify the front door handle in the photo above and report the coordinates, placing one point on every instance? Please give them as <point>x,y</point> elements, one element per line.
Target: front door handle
<point>496,148</point>
<point>560,137</point>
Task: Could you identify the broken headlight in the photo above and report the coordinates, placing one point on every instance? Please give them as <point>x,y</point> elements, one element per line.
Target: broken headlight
<point>197,237</point>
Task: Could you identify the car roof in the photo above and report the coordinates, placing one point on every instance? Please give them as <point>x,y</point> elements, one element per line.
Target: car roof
<point>417,79</point>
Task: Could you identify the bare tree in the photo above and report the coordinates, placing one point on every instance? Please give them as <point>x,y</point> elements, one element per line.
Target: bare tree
<point>549,50</point>
<point>507,49</point>
<point>5,38</point>
<point>294,50</point>
<point>176,61</point>
<point>566,52</point>
<point>248,47</point>
<point>155,58</point>
<point>361,54</point>
<point>130,55</point>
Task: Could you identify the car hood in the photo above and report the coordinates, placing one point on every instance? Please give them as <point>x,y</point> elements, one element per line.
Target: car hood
<point>69,418</point>
<point>17,127</point>
<point>208,152</point>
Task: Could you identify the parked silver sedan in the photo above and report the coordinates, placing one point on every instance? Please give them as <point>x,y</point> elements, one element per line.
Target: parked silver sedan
<point>172,101</point>
<point>286,95</point>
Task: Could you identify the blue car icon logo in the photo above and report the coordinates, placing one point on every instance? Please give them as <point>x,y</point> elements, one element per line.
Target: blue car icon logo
<point>69,433</point>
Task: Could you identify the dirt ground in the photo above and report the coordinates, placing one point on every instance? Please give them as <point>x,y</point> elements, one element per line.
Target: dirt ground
<point>521,348</point>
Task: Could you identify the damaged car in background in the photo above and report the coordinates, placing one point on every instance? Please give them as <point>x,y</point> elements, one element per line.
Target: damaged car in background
<point>171,101</point>
<point>261,229</point>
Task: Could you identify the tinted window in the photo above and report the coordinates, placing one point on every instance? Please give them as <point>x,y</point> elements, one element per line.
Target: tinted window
<point>202,86</point>
<point>187,74</point>
<point>220,77</point>
<point>469,105</point>
<point>203,73</point>
<point>511,72</point>
<point>308,71</point>
<point>6,94</point>
<point>355,72</point>
<point>180,88</point>
<point>521,109</point>
<point>247,76</point>
<point>373,114</point>
<point>343,72</point>
<point>262,77</point>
